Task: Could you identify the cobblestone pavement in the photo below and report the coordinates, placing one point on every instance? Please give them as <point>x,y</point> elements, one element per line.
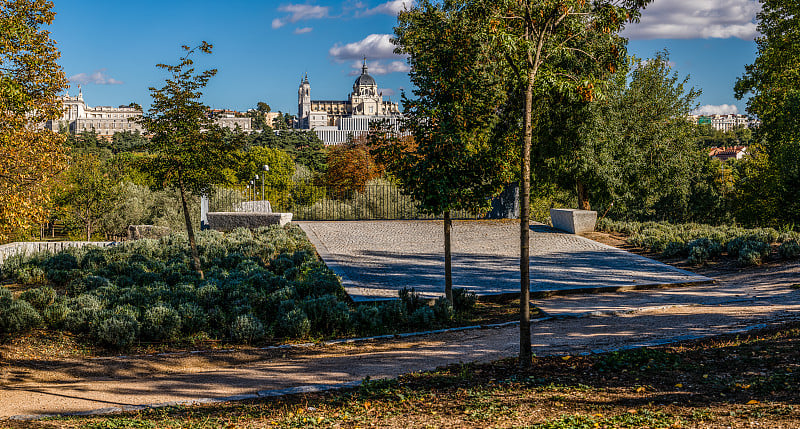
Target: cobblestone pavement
<point>377,258</point>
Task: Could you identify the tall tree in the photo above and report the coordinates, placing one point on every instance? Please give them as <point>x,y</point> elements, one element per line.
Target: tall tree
<point>187,151</point>
<point>87,191</point>
<point>566,47</point>
<point>774,81</point>
<point>448,162</point>
<point>30,81</point>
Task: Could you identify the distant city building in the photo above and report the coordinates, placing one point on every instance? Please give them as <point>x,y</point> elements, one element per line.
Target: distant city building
<point>337,121</point>
<point>724,122</point>
<point>726,153</point>
<point>106,120</point>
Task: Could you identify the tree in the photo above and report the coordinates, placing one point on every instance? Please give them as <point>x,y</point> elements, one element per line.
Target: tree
<point>566,47</point>
<point>259,116</point>
<point>774,81</point>
<point>30,81</point>
<point>88,191</point>
<point>350,167</point>
<point>621,149</point>
<point>187,151</point>
<point>304,147</point>
<point>448,161</point>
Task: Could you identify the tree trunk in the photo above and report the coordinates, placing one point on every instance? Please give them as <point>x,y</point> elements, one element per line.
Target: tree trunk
<point>190,231</point>
<point>583,196</point>
<point>524,234</point>
<point>88,230</point>
<point>448,266</point>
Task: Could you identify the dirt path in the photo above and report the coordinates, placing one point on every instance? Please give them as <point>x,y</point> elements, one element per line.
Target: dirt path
<point>739,300</point>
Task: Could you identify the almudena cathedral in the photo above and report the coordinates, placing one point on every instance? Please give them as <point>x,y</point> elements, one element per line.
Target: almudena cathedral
<point>337,121</point>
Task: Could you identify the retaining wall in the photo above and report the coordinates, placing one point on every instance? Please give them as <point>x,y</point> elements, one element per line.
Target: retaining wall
<point>30,247</point>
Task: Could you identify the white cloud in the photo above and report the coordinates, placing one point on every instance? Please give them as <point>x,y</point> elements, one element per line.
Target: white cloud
<point>299,12</point>
<point>691,19</point>
<point>374,46</point>
<point>97,77</point>
<point>392,7</point>
<point>379,68</point>
<point>277,23</point>
<point>303,30</point>
<point>722,109</point>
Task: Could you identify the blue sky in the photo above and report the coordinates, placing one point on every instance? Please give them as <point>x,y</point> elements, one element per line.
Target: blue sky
<point>262,48</point>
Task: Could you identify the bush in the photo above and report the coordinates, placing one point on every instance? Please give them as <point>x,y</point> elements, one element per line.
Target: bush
<point>161,323</point>
<point>463,300</point>
<point>84,314</point>
<point>701,249</point>
<point>30,276</point>
<point>86,284</point>
<point>411,300</point>
<point>118,331</point>
<point>698,255</point>
<point>443,310</point>
<point>40,298</point>
<point>293,324</point>
<point>247,329</point>
<point>753,252</point>
<point>674,249</point>
<point>55,316</point>
<point>366,319</point>
<point>327,315</point>
<point>789,249</point>
<point>422,317</point>
<point>17,317</point>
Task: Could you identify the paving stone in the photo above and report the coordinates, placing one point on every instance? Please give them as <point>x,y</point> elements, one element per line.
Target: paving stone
<point>375,259</point>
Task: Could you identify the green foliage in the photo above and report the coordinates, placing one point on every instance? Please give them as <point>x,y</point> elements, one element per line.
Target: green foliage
<point>261,284</point>
<point>118,331</point>
<point>700,242</point>
<point>40,298</point>
<point>246,329</point>
<point>293,324</point>
<point>17,316</point>
<point>771,185</point>
<point>789,249</point>
<point>463,300</point>
<point>304,147</point>
<point>161,323</point>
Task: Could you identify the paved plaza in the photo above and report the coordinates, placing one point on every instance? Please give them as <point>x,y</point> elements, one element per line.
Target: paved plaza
<point>375,259</point>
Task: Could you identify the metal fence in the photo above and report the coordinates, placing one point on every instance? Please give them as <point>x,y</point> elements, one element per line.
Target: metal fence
<point>377,200</point>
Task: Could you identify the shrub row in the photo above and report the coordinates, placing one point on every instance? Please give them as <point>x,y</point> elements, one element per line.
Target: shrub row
<point>259,285</point>
<point>699,243</point>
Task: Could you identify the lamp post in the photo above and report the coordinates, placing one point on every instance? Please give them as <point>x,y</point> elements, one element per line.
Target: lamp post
<point>266,169</point>
<point>262,188</point>
<point>252,191</point>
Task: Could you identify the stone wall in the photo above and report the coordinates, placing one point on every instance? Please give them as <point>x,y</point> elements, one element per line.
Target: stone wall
<point>28,248</point>
<point>227,221</point>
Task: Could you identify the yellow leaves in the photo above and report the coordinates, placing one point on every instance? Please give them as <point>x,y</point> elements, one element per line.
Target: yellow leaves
<point>640,389</point>
<point>679,385</point>
<point>752,402</point>
<point>568,357</point>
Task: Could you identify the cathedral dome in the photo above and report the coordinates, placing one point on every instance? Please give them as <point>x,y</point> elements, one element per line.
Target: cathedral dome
<point>365,79</point>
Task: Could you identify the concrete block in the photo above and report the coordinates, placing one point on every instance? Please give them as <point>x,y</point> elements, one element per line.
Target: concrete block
<point>137,232</point>
<point>227,221</point>
<point>573,221</point>
<point>262,206</point>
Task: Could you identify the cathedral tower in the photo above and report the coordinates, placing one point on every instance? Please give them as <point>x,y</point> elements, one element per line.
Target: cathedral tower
<point>303,102</point>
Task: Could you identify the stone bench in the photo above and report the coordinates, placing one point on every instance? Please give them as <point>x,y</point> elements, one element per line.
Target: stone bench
<point>227,221</point>
<point>573,221</point>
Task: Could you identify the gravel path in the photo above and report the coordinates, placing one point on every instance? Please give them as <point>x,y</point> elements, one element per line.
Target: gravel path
<point>377,258</point>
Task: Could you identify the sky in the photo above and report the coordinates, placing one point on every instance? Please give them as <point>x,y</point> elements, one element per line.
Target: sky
<point>263,48</point>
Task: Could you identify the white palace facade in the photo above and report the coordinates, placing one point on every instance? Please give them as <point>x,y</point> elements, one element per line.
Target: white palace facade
<point>335,122</point>
<point>106,120</point>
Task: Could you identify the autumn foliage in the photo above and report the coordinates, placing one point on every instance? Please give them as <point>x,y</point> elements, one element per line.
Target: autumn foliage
<point>30,81</point>
<point>350,167</point>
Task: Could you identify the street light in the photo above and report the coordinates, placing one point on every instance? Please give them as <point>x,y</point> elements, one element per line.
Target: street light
<point>262,187</point>
<point>266,169</point>
<point>252,190</point>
